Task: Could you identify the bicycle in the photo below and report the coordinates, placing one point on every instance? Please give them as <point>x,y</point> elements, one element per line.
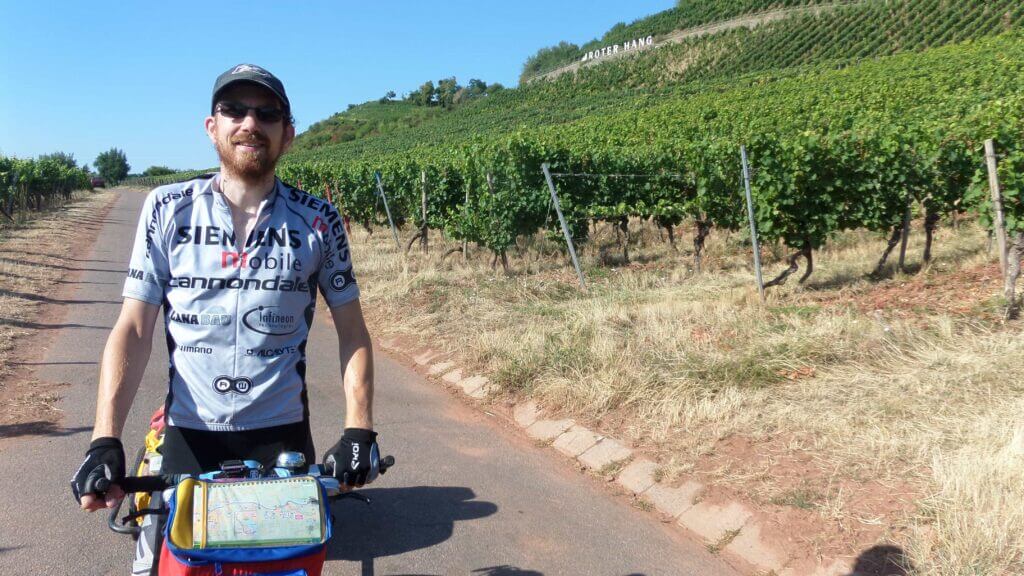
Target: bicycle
<point>173,496</point>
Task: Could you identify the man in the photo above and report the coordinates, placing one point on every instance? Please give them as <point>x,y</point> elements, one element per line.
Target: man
<point>235,259</point>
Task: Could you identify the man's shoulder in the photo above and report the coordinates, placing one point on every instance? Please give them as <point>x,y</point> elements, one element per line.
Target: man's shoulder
<point>178,192</point>
<point>305,203</point>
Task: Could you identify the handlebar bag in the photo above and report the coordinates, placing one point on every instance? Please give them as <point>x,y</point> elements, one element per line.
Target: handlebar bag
<point>265,527</point>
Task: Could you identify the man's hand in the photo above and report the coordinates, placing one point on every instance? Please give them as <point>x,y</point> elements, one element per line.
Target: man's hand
<point>104,459</point>
<point>355,459</point>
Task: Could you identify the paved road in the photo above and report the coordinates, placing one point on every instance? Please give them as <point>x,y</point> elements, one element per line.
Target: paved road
<point>468,496</point>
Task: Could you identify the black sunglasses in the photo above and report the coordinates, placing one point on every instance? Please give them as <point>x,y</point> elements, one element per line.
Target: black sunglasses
<point>236,111</point>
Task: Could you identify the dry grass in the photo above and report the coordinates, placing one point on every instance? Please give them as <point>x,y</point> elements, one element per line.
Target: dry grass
<point>907,380</point>
<point>32,260</point>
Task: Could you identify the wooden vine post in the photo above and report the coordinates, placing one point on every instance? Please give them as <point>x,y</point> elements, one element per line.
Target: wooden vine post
<point>424,243</point>
<point>1009,252</point>
<point>997,201</point>
<point>905,234</point>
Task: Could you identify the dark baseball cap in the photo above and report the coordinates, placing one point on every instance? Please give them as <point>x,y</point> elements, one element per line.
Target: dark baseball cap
<point>250,73</point>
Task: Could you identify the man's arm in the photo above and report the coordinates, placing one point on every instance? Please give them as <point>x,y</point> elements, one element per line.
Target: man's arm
<point>124,361</point>
<point>356,353</point>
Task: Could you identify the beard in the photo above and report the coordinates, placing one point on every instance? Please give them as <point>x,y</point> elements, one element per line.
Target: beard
<point>248,165</point>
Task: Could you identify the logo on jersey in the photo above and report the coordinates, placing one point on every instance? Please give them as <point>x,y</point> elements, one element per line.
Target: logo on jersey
<point>271,352</point>
<point>268,320</point>
<point>341,279</point>
<point>215,316</point>
<point>200,349</point>
<point>275,284</point>
<point>215,236</point>
<point>142,276</point>
<point>225,384</point>
<point>319,225</point>
<point>283,261</point>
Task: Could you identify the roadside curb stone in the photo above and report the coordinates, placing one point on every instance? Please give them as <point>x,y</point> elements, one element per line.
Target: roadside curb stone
<point>712,522</point>
<point>453,377</point>
<point>673,501</point>
<point>549,429</point>
<point>526,413</point>
<point>638,476</point>
<point>576,441</point>
<point>427,357</point>
<point>749,546</point>
<point>440,368</point>
<point>605,452</point>
<point>474,384</point>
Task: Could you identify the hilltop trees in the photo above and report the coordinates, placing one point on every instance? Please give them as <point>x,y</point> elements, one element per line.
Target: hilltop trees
<point>449,94</point>
<point>112,165</point>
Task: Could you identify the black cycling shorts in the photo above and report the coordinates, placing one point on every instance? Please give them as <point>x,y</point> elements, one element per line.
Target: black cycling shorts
<point>191,451</point>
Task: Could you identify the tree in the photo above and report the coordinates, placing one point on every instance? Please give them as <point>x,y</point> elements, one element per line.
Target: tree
<point>387,97</point>
<point>112,165</point>
<point>425,95</point>
<point>446,90</point>
<point>157,171</point>
<point>476,87</point>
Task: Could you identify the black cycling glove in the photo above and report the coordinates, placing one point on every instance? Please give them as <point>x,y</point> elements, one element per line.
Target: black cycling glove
<point>105,459</point>
<point>355,459</point>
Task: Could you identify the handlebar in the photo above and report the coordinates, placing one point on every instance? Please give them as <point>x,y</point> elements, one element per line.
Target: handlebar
<point>131,484</point>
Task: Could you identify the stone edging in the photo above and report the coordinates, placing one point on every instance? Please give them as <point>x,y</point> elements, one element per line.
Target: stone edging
<point>729,527</point>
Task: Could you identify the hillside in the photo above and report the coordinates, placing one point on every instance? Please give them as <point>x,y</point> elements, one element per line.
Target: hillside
<point>732,59</point>
<point>364,121</point>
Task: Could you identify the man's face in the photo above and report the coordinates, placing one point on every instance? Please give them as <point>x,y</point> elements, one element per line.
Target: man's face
<point>248,147</point>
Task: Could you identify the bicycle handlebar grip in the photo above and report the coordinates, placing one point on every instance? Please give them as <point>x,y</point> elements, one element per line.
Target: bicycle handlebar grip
<point>385,463</point>
<point>131,484</point>
<point>144,484</point>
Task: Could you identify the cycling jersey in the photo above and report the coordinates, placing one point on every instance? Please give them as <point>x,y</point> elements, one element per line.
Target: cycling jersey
<point>237,318</point>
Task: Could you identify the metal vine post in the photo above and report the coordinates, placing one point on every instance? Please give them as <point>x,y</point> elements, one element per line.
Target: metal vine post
<point>565,227</point>
<point>753,224</point>
<point>394,231</point>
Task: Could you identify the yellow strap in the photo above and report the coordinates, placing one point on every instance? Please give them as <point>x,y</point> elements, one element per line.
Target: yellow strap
<point>202,517</point>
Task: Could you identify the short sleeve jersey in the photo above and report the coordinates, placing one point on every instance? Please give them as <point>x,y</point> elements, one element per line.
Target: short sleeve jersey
<point>237,318</point>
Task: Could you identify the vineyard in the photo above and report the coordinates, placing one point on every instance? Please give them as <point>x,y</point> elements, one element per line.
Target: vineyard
<point>831,150</point>
<point>37,184</point>
<point>688,14</point>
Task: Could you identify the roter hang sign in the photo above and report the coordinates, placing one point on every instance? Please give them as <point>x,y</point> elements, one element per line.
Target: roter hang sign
<point>616,48</point>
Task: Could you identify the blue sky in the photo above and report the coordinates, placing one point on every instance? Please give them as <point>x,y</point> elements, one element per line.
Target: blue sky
<point>82,77</point>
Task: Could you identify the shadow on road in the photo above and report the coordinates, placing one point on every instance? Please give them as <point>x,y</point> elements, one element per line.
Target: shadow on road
<point>402,520</point>
<point>48,300</point>
<point>56,266</point>
<point>38,428</point>
<point>38,326</point>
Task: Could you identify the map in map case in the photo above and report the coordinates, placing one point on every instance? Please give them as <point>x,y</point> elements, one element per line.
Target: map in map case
<point>278,512</point>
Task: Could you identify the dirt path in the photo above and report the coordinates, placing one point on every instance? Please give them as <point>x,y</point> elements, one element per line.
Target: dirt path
<point>38,275</point>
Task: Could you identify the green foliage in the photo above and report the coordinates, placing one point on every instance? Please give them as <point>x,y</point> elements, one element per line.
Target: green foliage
<point>686,14</point>
<point>33,184</point>
<point>548,59</point>
<point>112,165</point>
<point>158,171</point>
<point>831,150</point>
